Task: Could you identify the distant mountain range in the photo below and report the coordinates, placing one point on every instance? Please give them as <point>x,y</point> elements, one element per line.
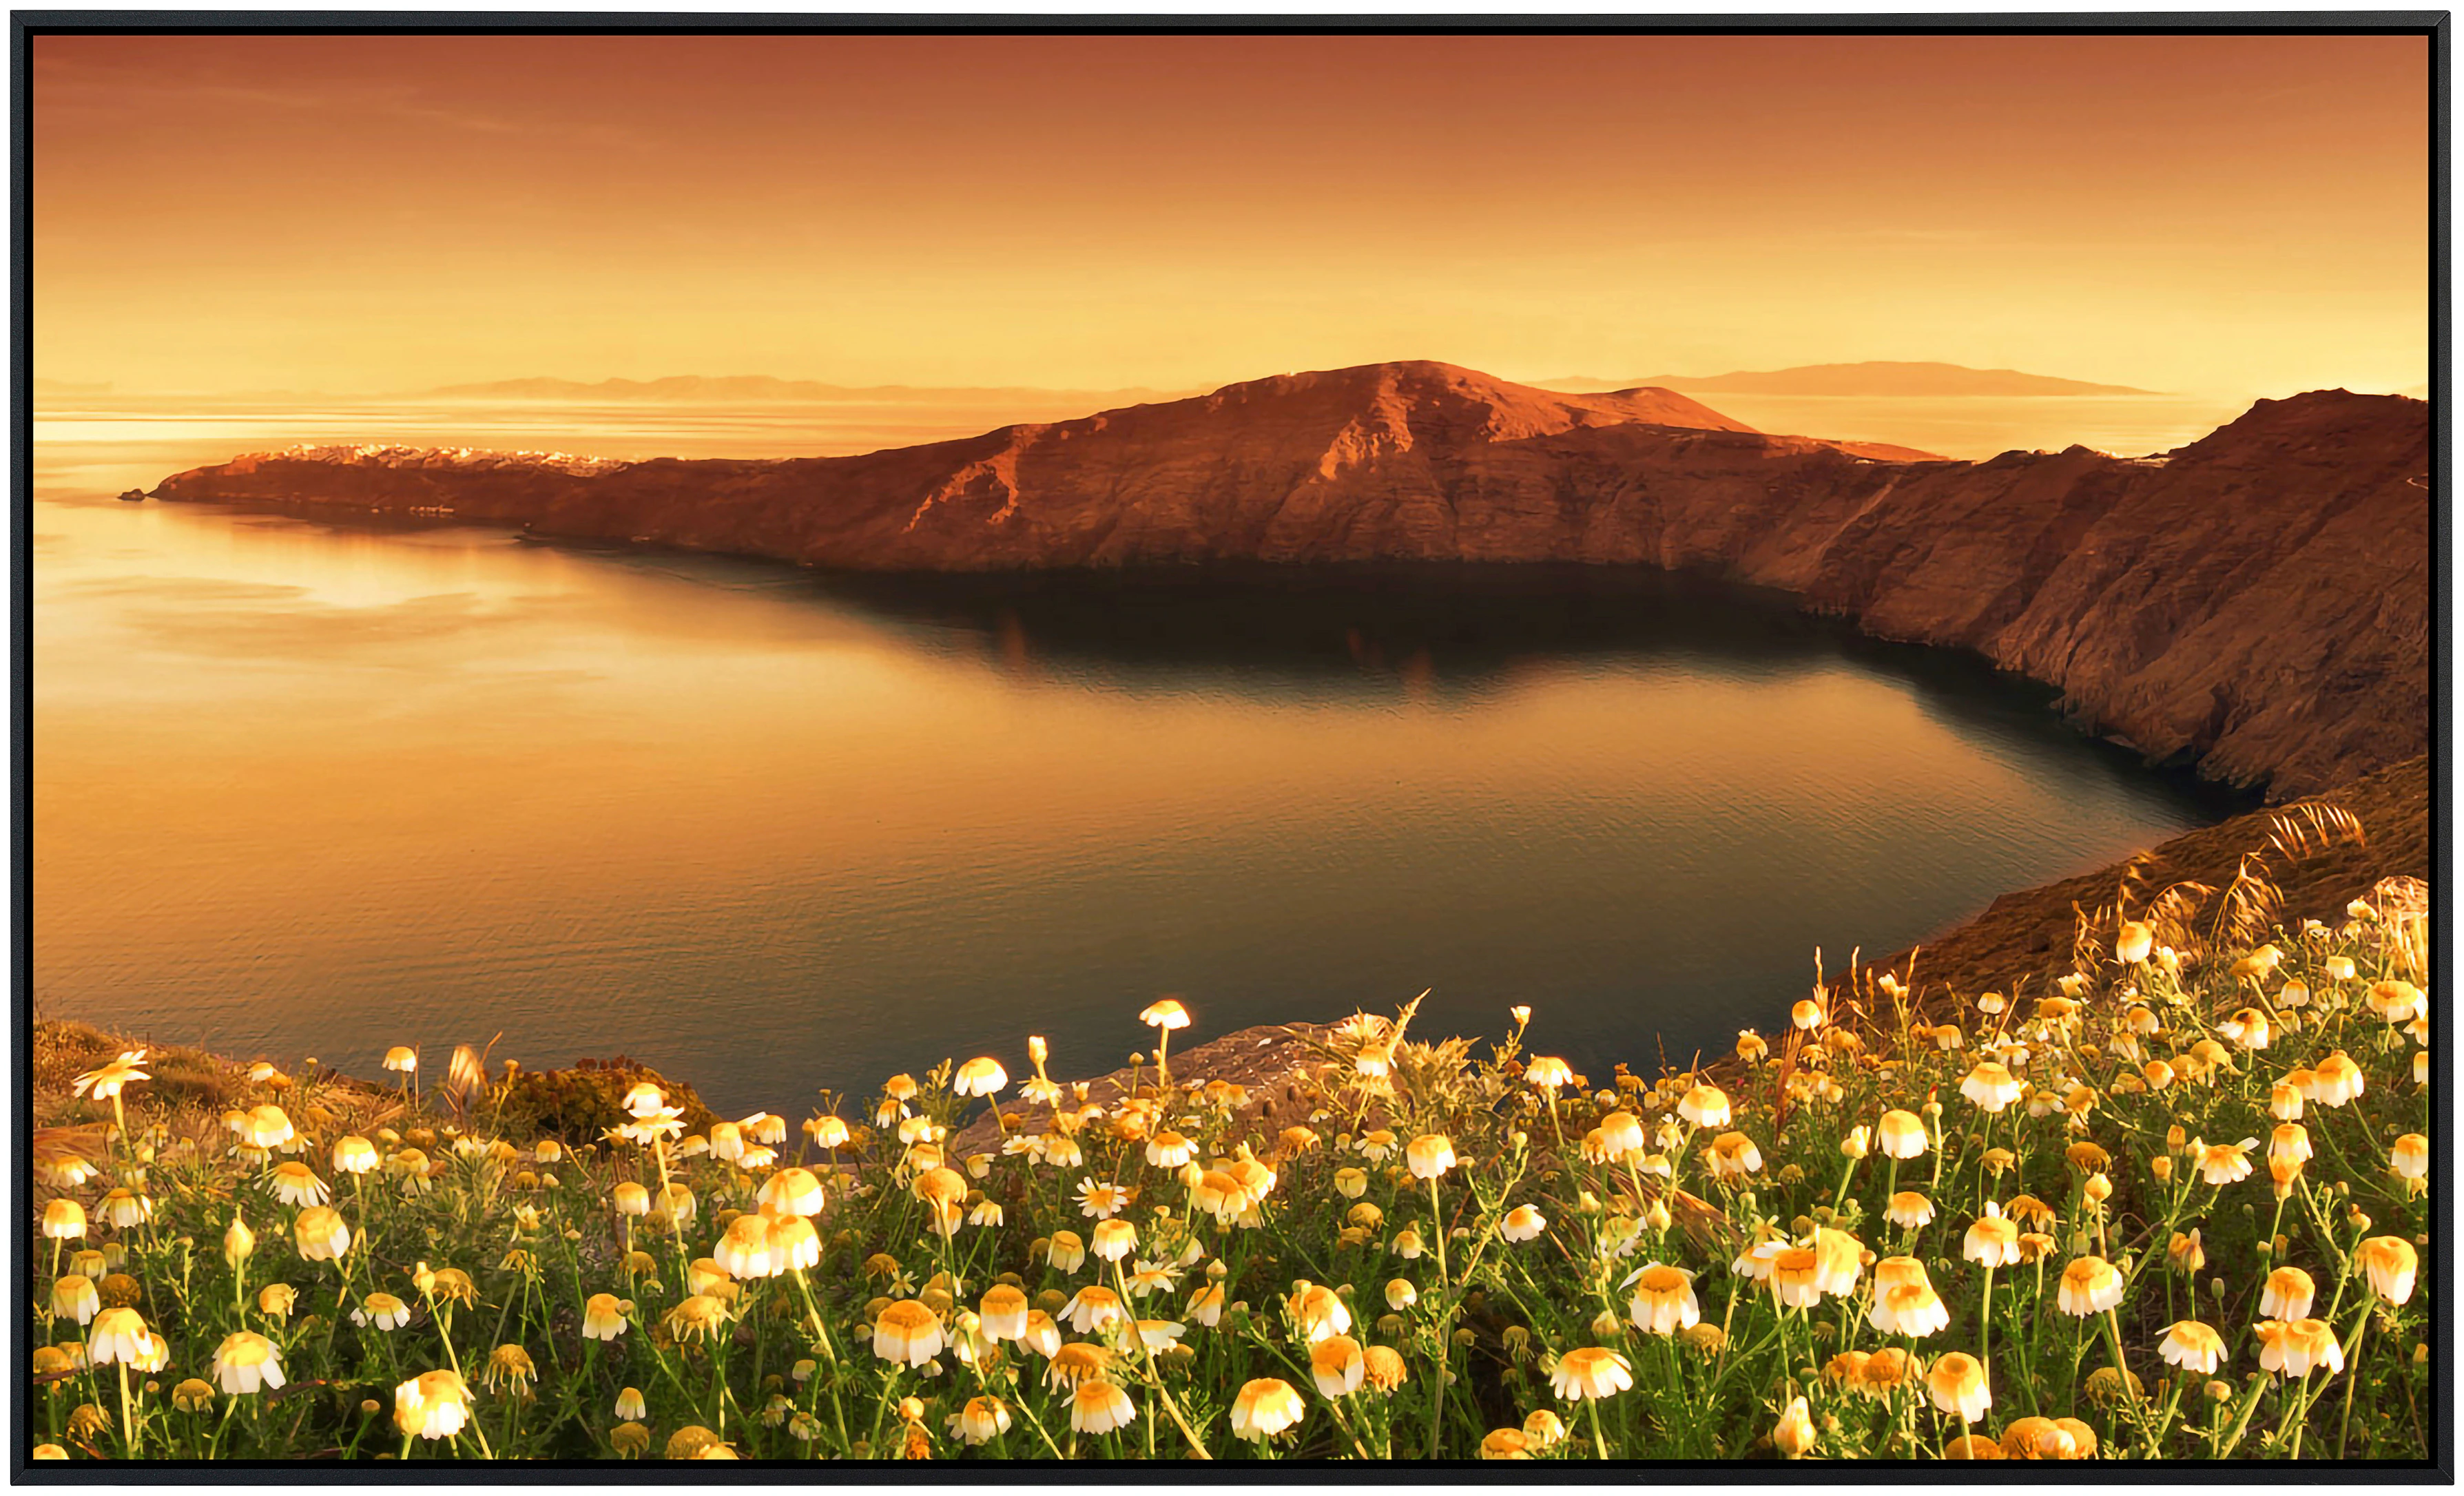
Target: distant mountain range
<point>1877,379</point>
<point>764,390</point>
<point>1880,379</point>
<point>1873,379</point>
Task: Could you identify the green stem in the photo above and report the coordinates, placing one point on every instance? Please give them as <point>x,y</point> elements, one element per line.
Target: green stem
<point>1138,1338</point>
<point>2172,1406</point>
<point>2122,1371</point>
<point>2352,1377</point>
<point>2241,1421</point>
<point>1984,1322</point>
<point>1444,1334</point>
<point>830,1347</point>
<point>214,1445</point>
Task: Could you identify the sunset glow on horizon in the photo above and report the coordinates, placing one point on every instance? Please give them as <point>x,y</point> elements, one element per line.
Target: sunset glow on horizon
<point>2235,215</point>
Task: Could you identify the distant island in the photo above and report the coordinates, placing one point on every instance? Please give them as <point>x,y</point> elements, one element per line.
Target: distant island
<point>1877,379</point>
<point>2198,602</point>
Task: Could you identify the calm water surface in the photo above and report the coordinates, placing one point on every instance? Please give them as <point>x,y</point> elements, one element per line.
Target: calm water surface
<point>301,790</point>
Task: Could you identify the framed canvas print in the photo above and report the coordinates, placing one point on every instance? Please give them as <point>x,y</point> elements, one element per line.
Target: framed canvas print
<point>1011,741</point>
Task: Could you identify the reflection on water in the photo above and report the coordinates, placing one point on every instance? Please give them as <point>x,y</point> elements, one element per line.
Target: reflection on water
<point>307,790</point>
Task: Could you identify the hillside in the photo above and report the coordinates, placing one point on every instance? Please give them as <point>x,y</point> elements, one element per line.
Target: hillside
<point>2198,604</point>
<point>2025,936</point>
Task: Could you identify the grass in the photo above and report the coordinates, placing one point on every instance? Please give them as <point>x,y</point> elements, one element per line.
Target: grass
<point>1333,1289</point>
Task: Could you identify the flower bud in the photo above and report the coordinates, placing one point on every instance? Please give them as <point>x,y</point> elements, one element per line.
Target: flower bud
<point>238,1242</point>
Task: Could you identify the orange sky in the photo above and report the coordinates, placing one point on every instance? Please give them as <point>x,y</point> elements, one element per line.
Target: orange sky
<point>2237,215</point>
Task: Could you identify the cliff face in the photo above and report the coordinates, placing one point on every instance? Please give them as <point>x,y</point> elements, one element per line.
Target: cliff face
<point>2259,598</point>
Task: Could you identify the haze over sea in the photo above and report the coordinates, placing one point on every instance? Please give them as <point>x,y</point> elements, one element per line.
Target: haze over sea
<point>1971,427</point>
<point>306,790</point>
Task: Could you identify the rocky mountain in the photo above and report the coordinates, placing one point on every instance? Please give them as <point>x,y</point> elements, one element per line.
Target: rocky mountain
<point>1877,379</point>
<point>2259,599</point>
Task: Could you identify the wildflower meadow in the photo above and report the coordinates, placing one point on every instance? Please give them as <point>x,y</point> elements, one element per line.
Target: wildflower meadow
<point>2169,1204</point>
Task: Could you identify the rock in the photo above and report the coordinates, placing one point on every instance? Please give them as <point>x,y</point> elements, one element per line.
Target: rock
<point>1268,1062</point>
<point>2258,599</point>
<point>583,1103</point>
<point>2026,935</point>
